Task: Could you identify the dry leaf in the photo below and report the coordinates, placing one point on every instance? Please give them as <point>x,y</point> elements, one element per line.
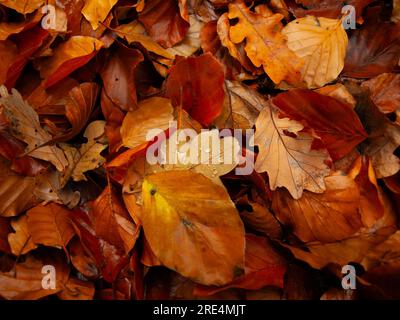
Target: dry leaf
<point>265,44</point>
<point>21,240</point>
<point>322,44</point>
<point>50,225</point>
<point>87,157</point>
<point>152,114</point>
<point>208,237</point>
<point>286,154</point>
<point>97,11</point>
<point>25,126</point>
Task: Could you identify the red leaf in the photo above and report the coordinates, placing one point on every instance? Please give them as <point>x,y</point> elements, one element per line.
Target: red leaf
<point>333,121</point>
<point>164,22</point>
<point>198,84</point>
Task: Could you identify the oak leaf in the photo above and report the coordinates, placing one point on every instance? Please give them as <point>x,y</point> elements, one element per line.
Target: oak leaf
<point>25,126</point>
<point>50,225</point>
<point>286,154</point>
<point>87,157</point>
<point>265,43</point>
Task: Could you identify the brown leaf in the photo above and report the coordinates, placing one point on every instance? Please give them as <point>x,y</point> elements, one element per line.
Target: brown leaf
<point>286,154</point>
<point>96,12</point>
<point>50,225</point>
<point>21,240</point>
<point>163,21</point>
<point>25,282</point>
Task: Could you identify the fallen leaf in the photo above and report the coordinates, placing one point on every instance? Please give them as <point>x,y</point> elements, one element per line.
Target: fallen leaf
<point>23,6</point>
<point>96,12</point>
<point>112,222</point>
<point>25,126</point>
<point>197,84</point>
<point>263,267</point>
<point>67,57</point>
<point>265,43</point>
<point>87,157</point>
<point>328,217</point>
<point>152,114</point>
<point>373,50</point>
<point>50,225</point>
<point>163,21</point>
<point>25,282</point>
<point>135,32</point>
<point>334,122</point>
<point>385,93</point>
<point>322,44</point>
<point>170,210</point>
<point>16,192</point>
<point>286,154</point>
<point>21,240</point>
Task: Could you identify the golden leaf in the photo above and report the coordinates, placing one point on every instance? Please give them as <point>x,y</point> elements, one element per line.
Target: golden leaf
<point>192,226</point>
<point>322,44</point>
<point>50,225</point>
<point>21,241</point>
<point>135,32</point>
<point>97,11</point>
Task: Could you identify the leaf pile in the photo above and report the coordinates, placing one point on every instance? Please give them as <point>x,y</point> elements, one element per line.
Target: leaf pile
<point>82,86</point>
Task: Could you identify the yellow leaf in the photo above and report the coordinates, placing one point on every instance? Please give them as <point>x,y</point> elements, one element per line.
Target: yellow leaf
<point>25,125</point>
<point>135,32</point>
<point>322,44</point>
<point>16,191</point>
<point>265,44</point>
<point>74,48</point>
<point>97,11</point>
<point>193,227</point>
<point>23,6</point>
<point>286,154</point>
<point>153,113</point>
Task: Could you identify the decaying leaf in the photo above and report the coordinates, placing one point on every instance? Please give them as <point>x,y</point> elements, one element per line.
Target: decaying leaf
<point>25,125</point>
<point>265,43</point>
<point>87,157</point>
<point>286,154</point>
